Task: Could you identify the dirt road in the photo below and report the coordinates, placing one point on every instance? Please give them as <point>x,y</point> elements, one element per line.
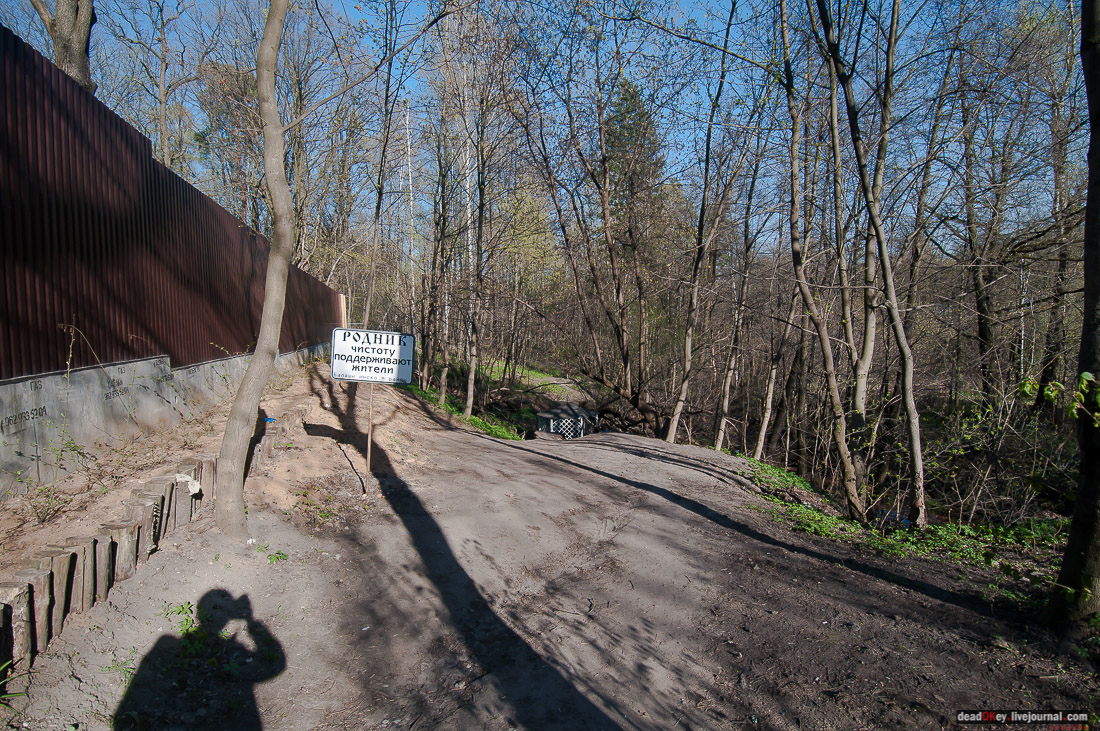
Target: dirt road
<point>607,582</point>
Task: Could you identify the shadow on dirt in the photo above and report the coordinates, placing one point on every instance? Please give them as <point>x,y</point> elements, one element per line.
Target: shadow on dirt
<point>538,694</point>
<point>971,603</point>
<point>204,678</point>
<point>259,431</point>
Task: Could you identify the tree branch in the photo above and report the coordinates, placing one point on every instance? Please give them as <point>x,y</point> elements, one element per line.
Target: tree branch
<point>352,84</point>
<point>43,12</point>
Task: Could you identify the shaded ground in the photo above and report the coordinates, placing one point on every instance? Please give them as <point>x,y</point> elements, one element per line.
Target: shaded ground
<point>607,582</point>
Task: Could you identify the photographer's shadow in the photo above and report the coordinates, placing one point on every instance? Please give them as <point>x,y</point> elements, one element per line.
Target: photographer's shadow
<point>204,677</point>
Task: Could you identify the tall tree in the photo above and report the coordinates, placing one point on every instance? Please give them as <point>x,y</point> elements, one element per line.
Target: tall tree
<point>710,213</point>
<point>70,27</point>
<point>229,512</point>
<point>871,189</point>
<point>170,55</point>
<point>856,506</point>
<point>1077,594</point>
<point>229,509</point>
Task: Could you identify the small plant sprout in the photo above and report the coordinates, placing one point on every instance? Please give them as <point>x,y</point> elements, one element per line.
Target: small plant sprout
<point>273,557</point>
<point>5,697</point>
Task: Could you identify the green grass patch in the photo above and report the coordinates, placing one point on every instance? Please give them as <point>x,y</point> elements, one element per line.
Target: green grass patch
<point>808,519</point>
<point>775,477</point>
<point>487,423</point>
<point>452,405</point>
<point>554,389</point>
<point>1024,552</point>
<point>545,373</point>
<point>496,372</point>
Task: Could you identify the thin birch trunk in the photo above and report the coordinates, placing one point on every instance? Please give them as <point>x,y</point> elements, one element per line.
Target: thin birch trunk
<point>840,423</point>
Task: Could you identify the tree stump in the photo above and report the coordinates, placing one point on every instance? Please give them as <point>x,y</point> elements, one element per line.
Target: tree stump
<point>186,502</point>
<point>165,487</point>
<point>208,472</point>
<point>144,509</point>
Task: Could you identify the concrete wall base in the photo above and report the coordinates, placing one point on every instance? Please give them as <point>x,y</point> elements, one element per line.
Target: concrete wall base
<point>56,423</point>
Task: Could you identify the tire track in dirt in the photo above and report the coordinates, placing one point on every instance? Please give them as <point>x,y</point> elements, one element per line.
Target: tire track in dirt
<point>612,581</point>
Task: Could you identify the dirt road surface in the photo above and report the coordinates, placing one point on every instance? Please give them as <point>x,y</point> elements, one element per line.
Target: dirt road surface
<point>607,582</point>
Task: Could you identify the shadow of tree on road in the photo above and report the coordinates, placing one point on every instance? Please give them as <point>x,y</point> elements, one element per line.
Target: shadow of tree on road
<point>539,695</point>
<point>972,603</point>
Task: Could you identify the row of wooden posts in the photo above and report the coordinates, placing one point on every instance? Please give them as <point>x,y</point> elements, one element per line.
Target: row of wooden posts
<point>71,576</point>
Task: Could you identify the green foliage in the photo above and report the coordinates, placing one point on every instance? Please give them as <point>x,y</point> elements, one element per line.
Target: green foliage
<point>806,519</point>
<point>125,667</point>
<point>452,405</point>
<point>498,430</point>
<point>1029,389</point>
<point>491,425</point>
<point>554,389</point>
<point>633,149</point>
<point>545,372</point>
<point>1024,554</point>
<point>185,611</point>
<point>1086,399</point>
<point>935,541</point>
<point>273,557</point>
<point>47,502</point>
<point>318,511</point>
<point>5,668</point>
<point>995,462</point>
<point>775,477</point>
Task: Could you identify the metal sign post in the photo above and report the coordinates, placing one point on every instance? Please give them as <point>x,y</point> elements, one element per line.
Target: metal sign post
<point>372,356</point>
<point>370,426</point>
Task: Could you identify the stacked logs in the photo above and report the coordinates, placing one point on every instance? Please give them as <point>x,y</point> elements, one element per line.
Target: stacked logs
<point>69,577</point>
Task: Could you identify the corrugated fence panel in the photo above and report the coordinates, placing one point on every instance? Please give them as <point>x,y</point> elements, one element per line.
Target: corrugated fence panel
<point>109,256</point>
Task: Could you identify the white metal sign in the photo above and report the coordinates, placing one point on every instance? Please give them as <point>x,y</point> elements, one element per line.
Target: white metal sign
<point>372,356</point>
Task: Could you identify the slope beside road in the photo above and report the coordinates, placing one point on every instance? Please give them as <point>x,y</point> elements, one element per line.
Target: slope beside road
<point>607,582</point>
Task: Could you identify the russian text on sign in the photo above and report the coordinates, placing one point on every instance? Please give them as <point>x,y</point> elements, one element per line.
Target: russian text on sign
<point>372,356</point>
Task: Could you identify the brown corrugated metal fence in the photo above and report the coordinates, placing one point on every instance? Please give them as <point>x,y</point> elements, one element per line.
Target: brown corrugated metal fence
<point>109,256</point>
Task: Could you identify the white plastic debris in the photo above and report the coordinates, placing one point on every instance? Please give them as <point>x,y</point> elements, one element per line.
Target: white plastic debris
<point>192,484</point>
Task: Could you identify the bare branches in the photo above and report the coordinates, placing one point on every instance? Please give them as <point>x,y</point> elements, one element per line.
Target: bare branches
<point>378,66</point>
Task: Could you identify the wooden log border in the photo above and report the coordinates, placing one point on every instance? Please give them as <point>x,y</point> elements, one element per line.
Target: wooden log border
<point>72,576</point>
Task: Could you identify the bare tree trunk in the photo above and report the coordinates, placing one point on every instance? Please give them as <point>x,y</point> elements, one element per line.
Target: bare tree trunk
<point>446,347</point>
<point>1055,336</point>
<point>510,361</point>
<point>229,512</point>
<point>977,265</point>
<point>920,217</point>
<point>773,372</point>
<point>1077,593</point>
<point>722,411</point>
<point>860,354</point>
<point>840,423</point>
<point>436,290</point>
<point>388,104</point>
<point>70,29</point>
<point>162,95</point>
<point>473,357</point>
<point>790,386</point>
<point>702,242</point>
<point>870,195</point>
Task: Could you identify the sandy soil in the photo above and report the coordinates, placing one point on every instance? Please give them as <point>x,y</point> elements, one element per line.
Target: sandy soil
<point>607,582</point>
